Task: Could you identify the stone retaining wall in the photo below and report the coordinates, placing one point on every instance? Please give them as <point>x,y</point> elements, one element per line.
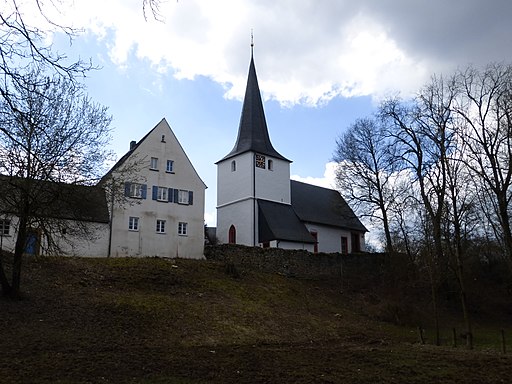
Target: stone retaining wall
<point>299,263</point>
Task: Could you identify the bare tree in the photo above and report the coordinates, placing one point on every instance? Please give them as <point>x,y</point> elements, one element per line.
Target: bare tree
<point>366,172</point>
<point>422,131</point>
<point>56,138</point>
<point>486,106</point>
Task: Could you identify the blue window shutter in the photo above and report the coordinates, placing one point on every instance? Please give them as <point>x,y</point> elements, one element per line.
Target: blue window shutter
<point>176,195</point>
<point>127,189</point>
<point>170,195</point>
<point>155,192</point>
<point>144,190</point>
<point>190,197</point>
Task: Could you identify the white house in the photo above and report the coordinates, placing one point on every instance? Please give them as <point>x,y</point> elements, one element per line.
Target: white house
<point>163,214</point>
<point>258,204</point>
<point>76,217</point>
<point>151,203</point>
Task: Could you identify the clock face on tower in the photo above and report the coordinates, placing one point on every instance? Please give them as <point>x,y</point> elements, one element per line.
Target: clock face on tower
<point>260,161</point>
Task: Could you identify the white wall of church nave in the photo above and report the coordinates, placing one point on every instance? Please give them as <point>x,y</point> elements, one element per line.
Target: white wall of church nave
<point>329,238</point>
<point>292,245</point>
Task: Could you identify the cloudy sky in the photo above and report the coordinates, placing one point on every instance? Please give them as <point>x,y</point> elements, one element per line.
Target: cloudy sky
<point>320,65</point>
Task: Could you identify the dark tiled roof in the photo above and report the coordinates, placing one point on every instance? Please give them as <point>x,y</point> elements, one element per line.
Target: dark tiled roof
<point>323,206</point>
<point>252,132</point>
<point>56,200</point>
<point>278,221</point>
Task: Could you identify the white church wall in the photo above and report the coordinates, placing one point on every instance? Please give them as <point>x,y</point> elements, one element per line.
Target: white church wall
<point>292,245</point>
<point>235,182</point>
<point>239,214</point>
<point>274,183</point>
<point>329,238</point>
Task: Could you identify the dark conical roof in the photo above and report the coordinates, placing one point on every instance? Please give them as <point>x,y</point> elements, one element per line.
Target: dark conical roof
<point>252,132</point>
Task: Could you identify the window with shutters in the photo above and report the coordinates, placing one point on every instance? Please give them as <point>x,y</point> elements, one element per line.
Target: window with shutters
<point>162,194</point>
<point>135,190</point>
<point>183,196</point>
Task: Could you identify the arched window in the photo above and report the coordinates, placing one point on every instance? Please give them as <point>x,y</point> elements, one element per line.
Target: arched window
<point>232,235</point>
<point>233,166</point>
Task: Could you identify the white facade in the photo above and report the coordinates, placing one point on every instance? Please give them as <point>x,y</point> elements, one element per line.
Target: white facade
<point>163,214</point>
<point>239,183</point>
<point>253,183</point>
<point>331,239</point>
<point>94,244</point>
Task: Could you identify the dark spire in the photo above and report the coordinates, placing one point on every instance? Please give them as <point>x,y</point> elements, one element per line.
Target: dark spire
<point>252,132</point>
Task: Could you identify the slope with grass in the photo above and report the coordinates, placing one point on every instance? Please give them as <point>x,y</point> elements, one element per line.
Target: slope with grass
<point>184,321</point>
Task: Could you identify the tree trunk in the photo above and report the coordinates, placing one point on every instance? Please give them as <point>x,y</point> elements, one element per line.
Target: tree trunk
<point>505,226</point>
<point>4,283</point>
<point>19,249</point>
<point>435,310</point>
<point>387,232</point>
<point>460,270</point>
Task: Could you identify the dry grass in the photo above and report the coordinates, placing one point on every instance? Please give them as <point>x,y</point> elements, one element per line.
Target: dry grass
<point>183,321</point>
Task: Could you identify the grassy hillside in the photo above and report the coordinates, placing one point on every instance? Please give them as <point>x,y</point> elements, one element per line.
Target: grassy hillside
<point>184,321</point>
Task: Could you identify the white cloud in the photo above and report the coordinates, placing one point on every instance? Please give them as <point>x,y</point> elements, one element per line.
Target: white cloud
<point>308,51</point>
<point>327,181</point>
<point>210,218</point>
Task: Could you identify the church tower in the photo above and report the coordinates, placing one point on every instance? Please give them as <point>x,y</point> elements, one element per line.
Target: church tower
<point>253,171</point>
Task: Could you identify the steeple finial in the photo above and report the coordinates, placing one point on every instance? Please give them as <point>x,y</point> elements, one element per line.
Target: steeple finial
<point>252,42</point>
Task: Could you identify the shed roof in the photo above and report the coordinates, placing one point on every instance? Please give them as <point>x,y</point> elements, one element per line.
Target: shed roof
<point>278,221</point>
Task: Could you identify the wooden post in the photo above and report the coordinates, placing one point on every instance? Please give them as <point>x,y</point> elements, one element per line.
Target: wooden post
<point>503,345</point>
<point>469,340</point>
<point>420,332</point>
<point>454,337</point>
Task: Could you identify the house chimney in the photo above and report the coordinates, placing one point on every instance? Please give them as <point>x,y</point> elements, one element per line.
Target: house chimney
<point>132,145</point>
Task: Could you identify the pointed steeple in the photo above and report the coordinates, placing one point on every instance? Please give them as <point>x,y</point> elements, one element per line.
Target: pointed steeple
<point>252,131</point>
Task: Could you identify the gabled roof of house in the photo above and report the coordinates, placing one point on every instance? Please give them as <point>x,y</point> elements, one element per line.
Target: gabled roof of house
<point>252,131</point>
<point>278,221</point>
<point>56,200</point>
<point>324,206</point>
<point>132,149</point>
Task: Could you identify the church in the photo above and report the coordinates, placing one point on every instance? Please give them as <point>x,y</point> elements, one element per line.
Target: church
<point>258,204</point>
